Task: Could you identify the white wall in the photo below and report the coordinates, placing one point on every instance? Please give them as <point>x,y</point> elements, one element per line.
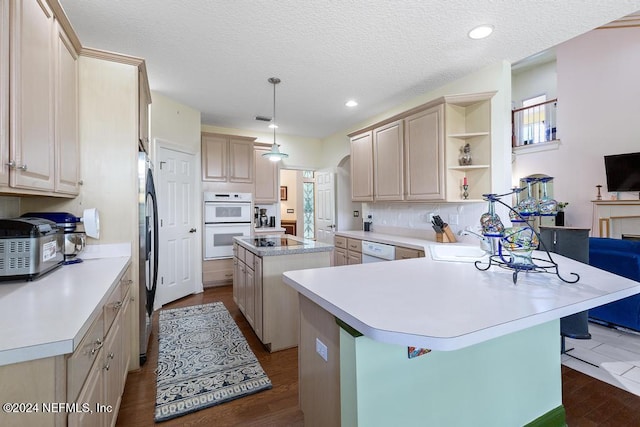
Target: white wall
<point>174,122</point>
<point>290,179</point>
<point>539,80</point>
<point>598,114</point>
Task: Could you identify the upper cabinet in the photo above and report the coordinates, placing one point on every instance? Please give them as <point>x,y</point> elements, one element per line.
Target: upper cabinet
<point>424,153</point>
<point>388,162</point>
<point>39,141</point>
<point>67,142</point>
<point>468,121</point>
<point>266,185</point>
<point>362,167</point>
<point>415,155</point>
<point>227,158</point>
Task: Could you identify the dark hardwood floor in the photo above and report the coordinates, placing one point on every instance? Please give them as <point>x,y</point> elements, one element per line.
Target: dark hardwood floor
<point>588,402</point>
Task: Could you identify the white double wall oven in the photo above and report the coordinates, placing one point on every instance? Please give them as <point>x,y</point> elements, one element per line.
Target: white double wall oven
<point>226,215</point>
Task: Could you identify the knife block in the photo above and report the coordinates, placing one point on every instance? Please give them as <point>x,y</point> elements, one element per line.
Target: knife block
<point>446,236</point>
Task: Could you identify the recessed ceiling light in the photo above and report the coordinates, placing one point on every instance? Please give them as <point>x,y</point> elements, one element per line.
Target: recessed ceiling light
<point>481,31</point>
<point>351,103</point>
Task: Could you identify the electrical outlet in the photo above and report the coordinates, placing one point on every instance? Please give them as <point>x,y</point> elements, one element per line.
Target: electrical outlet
<point>321,349</point>
<point>356,214</point>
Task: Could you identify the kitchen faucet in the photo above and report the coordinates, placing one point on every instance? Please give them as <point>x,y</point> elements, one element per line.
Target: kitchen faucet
<point>485,244</point>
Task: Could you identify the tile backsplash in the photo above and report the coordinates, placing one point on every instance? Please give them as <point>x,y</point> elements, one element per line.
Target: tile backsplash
<point>409,218</point>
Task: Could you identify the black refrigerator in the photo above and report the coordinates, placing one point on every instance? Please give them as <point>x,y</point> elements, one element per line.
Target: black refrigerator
<point>148,249</point>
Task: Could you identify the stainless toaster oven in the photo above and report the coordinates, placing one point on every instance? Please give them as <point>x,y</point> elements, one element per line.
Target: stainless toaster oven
<point>29,247</point>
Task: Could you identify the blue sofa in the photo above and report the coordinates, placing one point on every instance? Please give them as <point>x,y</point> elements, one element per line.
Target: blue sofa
<point>621,257</point>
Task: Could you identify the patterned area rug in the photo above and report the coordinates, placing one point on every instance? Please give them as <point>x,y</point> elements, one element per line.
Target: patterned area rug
<point>203,360</point>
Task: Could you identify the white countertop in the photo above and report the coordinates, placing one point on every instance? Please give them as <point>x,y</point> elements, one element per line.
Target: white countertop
<point>450,305</point>
<point>50,315</point>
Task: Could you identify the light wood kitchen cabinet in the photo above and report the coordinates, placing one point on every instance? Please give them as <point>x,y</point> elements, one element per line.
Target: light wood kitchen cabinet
<point>32,107</point>
<point>340,250</point>
<point>39,137</point>
<point>217,272</point>
<point>247,286</point>
<point>362,167</point>
<point>424,154</point>
<point>227,158</point>
<point>413,155</point>
<point>67,142</point>
<point>266,182</point>
<point>468,120</point>
<point>388,161</point>
<point>407,253</point>
<point>354,251</point>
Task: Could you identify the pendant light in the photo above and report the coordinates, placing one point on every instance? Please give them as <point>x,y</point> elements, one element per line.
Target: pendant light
<point>274,154</point>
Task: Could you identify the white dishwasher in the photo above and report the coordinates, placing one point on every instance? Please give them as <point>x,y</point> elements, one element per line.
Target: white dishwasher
<point>377,252</point>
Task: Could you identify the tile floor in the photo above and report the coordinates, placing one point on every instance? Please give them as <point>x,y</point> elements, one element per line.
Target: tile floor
<point>614,352</point>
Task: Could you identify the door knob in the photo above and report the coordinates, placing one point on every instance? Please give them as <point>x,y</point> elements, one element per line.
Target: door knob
<point>193,230</point>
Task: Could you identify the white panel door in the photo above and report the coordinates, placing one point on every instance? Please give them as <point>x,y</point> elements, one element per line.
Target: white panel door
<point>176,209</point>
<point>325,206</point>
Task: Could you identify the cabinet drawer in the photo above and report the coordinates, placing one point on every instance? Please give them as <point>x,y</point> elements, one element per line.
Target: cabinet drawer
<point>80,362</point>
<point>241,253</point>
<point>113,305</point>
<point>354,245</point>
<point>340,242</point>
<point>216,271</point>
<point>249,260</point>
<point>405,253</point>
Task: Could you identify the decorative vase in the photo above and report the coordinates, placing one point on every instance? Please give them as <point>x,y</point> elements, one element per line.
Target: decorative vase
<point>519,241</point>
<point>529,206</point>
<point>560,219</point>
<point>490,222</point>
<point>547,206</point>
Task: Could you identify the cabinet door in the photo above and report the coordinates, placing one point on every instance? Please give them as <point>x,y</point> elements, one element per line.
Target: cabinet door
<point>266,179</point>
<point>91,394</point>
<point>424,151</point>
<point>236,279</point>
<point>4,92</point>
<point>67,144</point>
<point>111,364</point>
<point>214,158</point>
<point>32,104</point>
<point>362,167</point>
<point>242,287</point>
<point>257,286</point>
<point>387,162</point>
<point>240,160</point>
<point>339,257</point>
<point>354,258</point>
<point>250,302</point>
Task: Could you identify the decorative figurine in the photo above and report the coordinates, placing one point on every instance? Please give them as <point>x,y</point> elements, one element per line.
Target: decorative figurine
<point>464,159</point>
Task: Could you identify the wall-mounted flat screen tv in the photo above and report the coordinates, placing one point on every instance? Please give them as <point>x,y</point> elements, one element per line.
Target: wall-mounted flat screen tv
<point>623,172</point>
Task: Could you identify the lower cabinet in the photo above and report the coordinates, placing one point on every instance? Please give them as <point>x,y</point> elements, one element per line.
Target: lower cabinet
<point>247,286</point>
<point>104,385</point>
<point>347,251</point>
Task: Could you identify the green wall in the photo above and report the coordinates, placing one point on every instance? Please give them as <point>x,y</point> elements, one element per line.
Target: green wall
<point>507,381</point>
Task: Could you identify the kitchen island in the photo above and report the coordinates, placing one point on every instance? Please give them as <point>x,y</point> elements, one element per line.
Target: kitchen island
<point>271,307</point>
<point>495,346</point>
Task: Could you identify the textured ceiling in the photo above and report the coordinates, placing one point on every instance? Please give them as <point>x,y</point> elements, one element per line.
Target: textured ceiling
<point>216,56</point>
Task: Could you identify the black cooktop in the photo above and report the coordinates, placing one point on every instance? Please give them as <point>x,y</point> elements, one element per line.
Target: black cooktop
<point>275,241</point>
